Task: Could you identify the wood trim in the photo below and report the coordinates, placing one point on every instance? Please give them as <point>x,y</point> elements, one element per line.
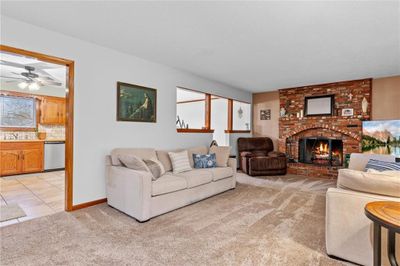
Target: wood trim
<point>69,138</point>
<point>208,111</point>
<point>32,95</point>
<point>88,204</point>
<point>194,130</point>
<point>69,114</point>
<point>199,100</point>
<point>230,115</point>
<point>237,131</point>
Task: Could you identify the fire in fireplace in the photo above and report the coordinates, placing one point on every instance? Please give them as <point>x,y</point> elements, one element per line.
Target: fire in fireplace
<point>321,151</point>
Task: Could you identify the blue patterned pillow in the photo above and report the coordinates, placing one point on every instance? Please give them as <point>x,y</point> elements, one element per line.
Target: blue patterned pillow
<point>204,160</point>
<point>382,165</point>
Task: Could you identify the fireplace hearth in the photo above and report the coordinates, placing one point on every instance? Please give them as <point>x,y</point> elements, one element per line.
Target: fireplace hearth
<point>321,151</point>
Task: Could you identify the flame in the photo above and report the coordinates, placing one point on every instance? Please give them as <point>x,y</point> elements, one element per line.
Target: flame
<point>323,147</point>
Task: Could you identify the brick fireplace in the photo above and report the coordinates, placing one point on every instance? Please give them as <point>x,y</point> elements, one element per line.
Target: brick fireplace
<point>327,139</point>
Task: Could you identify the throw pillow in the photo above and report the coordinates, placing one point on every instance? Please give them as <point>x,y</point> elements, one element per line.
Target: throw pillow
<point>133,162</point>
<point>156,168</point>
<point>222,154</point>
<point>382,165</point>
<point>180,162</point>
<point>204,160</point>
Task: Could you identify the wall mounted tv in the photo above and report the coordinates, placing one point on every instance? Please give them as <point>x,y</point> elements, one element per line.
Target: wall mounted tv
<point>381,137</point>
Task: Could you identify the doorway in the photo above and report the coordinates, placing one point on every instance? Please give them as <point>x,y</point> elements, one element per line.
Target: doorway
<point>59,110</point>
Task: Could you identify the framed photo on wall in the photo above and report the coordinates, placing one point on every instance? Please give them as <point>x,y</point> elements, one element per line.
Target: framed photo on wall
<point>319,105</point>
<point>136,103</point>
<point>347,111</point>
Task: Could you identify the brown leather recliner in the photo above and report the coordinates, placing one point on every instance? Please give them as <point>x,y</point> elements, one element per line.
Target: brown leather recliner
<point>256,157</point>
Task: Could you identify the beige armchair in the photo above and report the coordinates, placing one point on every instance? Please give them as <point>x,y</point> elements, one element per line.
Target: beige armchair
<point>349,233</point>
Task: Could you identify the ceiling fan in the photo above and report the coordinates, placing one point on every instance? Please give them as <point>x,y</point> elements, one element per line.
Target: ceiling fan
<point>31,78</point>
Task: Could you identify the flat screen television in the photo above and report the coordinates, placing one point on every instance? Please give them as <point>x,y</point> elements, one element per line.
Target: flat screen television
<point>381,137</point>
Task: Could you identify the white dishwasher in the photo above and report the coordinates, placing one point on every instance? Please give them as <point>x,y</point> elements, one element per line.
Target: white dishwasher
<point>54,155</point>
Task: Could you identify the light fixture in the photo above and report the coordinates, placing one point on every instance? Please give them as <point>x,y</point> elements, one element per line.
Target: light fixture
<point>23,85</point>
<point>33,86</point>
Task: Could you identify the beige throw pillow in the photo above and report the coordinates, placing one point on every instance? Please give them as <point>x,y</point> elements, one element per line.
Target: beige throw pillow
<point>133,162</point>
<point>156,168</point>
<point>222,153</point>
<point>180,162</point>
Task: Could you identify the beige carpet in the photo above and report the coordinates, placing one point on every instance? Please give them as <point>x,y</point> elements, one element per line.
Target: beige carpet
<point>271,222</point>
<point>11,211</point>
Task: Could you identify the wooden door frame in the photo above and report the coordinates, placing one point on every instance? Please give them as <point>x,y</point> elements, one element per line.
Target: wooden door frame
<point>69,125</point>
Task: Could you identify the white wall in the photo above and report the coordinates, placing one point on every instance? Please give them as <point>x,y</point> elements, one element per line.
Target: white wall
<point>96,131</point>
<point>219,120</point>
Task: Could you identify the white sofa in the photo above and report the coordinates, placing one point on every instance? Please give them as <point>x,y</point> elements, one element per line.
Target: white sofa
<point>349,233</point>
<point>134,193</point>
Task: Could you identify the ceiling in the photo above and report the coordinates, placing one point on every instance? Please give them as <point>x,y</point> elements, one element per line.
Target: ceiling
<point>255,46</point>
<point>15,68</point>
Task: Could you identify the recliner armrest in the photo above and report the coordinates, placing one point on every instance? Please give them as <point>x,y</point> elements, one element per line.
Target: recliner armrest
<point>276,154</point>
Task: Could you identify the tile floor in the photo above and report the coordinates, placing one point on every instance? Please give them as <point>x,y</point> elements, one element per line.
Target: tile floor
<point>37,194</point>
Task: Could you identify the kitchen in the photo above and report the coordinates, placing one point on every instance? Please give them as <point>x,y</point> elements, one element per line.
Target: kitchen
<point>32,138</point>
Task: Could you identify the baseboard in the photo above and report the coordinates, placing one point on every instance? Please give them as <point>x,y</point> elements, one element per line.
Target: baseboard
<point>88,204</point>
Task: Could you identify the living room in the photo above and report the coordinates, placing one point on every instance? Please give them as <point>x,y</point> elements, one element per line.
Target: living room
<point>263,79</point>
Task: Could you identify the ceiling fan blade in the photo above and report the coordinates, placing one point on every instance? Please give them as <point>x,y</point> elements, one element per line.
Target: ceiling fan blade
<point>12,64</point>
<point>12,78</point>
<point>51,83</point>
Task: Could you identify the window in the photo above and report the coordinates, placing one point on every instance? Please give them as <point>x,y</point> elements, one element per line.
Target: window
<point>241,116</point>
<point>190,109</point>
<point>200,112</point>
<point>17,112</point>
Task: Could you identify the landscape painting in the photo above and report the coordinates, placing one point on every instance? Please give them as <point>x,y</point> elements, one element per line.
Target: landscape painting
<point>136,103</point>
<point>381,137</point>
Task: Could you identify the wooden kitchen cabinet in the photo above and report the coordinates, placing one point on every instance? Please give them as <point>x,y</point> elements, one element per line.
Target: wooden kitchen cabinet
<point>10,162</point>
<point>20,157</point>
<point>52,111</point>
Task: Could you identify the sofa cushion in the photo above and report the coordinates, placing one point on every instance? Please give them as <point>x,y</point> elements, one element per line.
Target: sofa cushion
<point>219,173</point>
<point>387,184</point>
<point>196,150</point>
<point>142,153</point>
<point>222,153</point>
<point>196,177</point>
<point>168,183</point>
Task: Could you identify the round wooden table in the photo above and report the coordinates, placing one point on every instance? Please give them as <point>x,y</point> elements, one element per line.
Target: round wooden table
<point>386,214</point>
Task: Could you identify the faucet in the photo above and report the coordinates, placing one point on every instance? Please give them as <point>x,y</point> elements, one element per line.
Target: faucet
<point>15,135</point>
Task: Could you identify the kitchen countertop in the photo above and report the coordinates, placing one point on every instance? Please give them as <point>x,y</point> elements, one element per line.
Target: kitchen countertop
<point>31,140</point>
<point>21,140</point>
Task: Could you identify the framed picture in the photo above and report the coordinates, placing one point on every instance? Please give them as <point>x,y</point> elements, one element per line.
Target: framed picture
<point>265,114</point>
<point>136,103</point>
<point>347,111</point>
<point>319,105</point>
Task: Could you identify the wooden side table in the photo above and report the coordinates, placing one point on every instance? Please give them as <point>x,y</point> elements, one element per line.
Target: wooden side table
<point>386,214</point>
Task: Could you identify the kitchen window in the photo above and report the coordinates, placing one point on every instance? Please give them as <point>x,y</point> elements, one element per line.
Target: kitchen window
<point>17,113</point>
